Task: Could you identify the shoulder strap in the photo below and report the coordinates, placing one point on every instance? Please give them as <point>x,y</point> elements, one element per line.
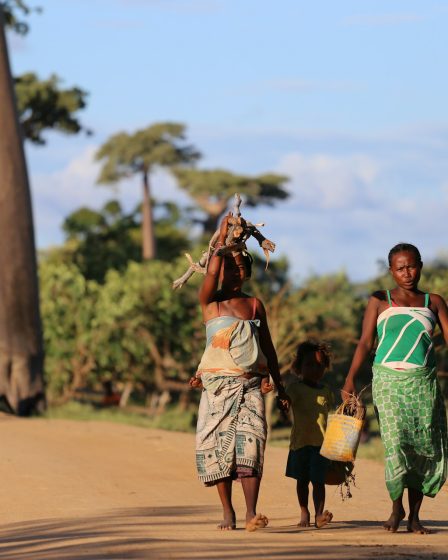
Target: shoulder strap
<point>254,307</point>
<point>426,300</point>
<point>388,298</point>
<point>219,311</point>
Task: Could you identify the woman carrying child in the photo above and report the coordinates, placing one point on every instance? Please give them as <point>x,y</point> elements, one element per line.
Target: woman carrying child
<point>234,371</point>
<point>311,401</point>
<point>406,392</point>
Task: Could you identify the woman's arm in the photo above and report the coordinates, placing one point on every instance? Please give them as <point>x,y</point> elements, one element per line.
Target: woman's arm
<point>442,314</point>
<point>364,346</point>
<point>209,285</point>
<point>268,349</point>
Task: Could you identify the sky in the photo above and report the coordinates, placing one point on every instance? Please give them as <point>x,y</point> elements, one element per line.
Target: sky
<point>348,99</point>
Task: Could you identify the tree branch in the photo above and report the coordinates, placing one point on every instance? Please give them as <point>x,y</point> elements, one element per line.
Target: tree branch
<point>239,232</point>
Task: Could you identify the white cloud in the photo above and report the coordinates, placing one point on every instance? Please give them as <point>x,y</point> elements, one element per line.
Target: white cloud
<point>329,182</point>
<point>57,194</point>
<point>352,198</point>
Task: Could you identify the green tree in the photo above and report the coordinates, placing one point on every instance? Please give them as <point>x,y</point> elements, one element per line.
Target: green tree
<point>44,105</point>
<point>125,155</point>
<point>69,314</point>
<point>212,190</point>
<point>11,15</point>
<point>98,241</point>
<point>132,330</point>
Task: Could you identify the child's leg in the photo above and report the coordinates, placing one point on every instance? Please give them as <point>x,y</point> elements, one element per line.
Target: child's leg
<point>397,515</point>
<point>302,495</point>
<point>322,517</point>
<point>415,501</point>
<point>225,494</point>
<point>318,466</point>
<point>318,497</point>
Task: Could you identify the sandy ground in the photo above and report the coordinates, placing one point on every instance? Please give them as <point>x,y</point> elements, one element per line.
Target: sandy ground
<point>96,490</point>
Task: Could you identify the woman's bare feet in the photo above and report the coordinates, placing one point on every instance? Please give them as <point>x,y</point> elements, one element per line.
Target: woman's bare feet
<point>304,518</point>
<point>414,526</point>
<point>394,520</point>
<point>259,521</point>
<point>323,519</point>
<point>228,523</point>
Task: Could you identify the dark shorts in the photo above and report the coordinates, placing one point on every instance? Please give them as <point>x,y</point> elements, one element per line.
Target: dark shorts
<point>307,463</point>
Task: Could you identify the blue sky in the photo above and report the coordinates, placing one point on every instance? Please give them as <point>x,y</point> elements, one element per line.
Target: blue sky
<point>347,98</point>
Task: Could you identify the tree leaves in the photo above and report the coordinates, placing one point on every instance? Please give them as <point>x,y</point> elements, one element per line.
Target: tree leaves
<point>44,105</point>
<point>161,144</point>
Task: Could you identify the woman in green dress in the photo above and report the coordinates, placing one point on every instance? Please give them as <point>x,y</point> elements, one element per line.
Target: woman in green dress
<point>406,393</point>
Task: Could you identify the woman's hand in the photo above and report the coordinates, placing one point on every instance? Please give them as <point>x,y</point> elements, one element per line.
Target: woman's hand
<point>195,383</point>
<point>224,228</point>
<point>348,389</point>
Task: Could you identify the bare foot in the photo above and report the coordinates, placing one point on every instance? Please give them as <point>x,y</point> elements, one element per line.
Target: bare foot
<point>228,523</point>
<point>394,520</point>
<point>258,522</point>
<point>414,526</point>
<point>304,518</point>
<point>323,519</point>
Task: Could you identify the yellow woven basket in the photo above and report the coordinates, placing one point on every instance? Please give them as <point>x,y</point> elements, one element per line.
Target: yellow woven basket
<point>343,433</point>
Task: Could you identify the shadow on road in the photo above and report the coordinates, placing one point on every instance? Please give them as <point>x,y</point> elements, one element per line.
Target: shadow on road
<point>179,533</point>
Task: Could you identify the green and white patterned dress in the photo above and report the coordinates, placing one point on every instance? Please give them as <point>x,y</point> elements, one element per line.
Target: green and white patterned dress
<point>408,400</point>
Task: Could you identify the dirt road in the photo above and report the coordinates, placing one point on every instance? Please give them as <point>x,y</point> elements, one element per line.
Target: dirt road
<point>75,490</point>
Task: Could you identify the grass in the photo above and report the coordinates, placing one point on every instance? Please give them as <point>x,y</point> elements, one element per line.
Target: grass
<point>172,419</point>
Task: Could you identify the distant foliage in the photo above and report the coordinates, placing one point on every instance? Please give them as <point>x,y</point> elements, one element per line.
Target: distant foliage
<point>44,105</point>
<point>109,239</point>
<point>132,328</point>
<point>211,189</point>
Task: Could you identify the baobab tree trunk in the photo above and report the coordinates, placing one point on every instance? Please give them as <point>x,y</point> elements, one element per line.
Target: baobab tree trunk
<point>21,347</point>
<point>148,237</point>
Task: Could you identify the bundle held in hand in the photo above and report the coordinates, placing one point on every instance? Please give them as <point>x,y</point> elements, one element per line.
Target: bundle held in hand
<point>344,431</point>
<point>239,232</point>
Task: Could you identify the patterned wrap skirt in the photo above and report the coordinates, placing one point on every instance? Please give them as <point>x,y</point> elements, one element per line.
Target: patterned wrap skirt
<point>231,429</point>
<point>412,419</point>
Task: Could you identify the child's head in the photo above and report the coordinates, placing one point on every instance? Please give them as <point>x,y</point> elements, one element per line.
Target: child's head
<point>312,359</point>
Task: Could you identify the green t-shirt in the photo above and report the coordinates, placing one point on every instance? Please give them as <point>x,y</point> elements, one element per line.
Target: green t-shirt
<point>310,407</point>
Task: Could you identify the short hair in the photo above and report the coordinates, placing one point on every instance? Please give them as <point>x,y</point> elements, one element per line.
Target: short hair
<point>400,247</point>
<point>311,346</point>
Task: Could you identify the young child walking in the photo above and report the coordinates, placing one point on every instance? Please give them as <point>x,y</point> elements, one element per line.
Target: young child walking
<point>311,402</point>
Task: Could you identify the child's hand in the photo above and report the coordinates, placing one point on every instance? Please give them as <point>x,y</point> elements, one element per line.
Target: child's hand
<point>283,401</point>
<point>266,387</point>
<point>282,404</point>
<point>195,383</point>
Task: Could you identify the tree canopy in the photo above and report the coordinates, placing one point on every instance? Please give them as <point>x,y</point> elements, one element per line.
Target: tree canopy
<point>161,144</point>
<point>11,14</point>
<point>212,189</point>
<point>44,105</point>
<point>110,238</point>
<point>125,155</point>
